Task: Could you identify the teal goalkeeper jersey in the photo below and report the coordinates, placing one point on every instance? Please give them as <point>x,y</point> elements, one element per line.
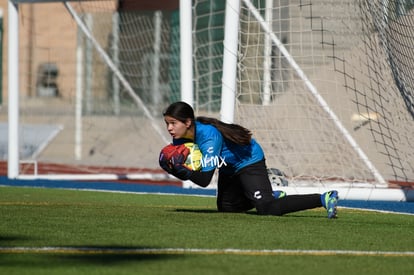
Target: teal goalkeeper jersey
<point>221,153</point>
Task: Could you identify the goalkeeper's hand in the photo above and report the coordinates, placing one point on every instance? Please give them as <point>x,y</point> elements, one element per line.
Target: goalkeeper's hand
<point>177,152</point>
<point>165,164</point>
<point>178,167</point>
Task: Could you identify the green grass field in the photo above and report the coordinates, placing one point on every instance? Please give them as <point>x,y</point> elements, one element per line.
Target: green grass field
<point>51,231</point>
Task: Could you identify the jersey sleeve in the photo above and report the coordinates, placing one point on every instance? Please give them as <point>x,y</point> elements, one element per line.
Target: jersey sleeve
<point>210,142</point>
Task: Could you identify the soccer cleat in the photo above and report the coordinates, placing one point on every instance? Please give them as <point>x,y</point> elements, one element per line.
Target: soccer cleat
<point>329,201</point>
<point>279,194</point>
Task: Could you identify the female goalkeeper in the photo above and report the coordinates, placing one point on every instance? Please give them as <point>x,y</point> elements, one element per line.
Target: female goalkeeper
<point>243,181</point>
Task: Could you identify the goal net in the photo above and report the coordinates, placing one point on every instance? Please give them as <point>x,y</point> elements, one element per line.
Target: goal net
<point>325,86</point>
<point>94,80</point>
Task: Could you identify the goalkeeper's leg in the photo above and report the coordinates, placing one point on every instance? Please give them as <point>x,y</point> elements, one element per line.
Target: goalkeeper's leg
<point>230,195</point>
<point>258,189</point>
<point>294,203</point>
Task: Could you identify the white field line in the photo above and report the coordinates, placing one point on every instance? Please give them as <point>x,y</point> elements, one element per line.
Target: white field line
<point>229,251</point>
<point>376,210</point>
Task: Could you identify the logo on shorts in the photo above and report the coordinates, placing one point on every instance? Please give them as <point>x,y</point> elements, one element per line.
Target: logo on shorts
<point>257,195</point>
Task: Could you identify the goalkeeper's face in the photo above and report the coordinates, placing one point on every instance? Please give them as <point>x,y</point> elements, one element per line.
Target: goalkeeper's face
<point>178,129</point>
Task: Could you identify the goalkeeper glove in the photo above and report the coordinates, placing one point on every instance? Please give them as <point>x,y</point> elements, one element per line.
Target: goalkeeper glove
<point>167,152</point>
<point>171,157</point>
<point>179,170</point>
<point>165,158</point>
<point>165,164</point>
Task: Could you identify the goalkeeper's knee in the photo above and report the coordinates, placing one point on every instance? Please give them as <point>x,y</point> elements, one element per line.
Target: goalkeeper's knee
<point>270,207</point>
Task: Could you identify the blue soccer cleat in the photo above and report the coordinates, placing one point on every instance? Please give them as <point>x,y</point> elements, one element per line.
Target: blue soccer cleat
<point>279,194</point>
<point>329,201</point>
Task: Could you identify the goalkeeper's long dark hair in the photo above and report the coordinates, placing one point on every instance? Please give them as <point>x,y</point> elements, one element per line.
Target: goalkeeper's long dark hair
<point>230,131</point>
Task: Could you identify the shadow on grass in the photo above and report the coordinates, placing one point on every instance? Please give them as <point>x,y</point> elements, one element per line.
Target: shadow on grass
<point>9,239</point>
<point>202,211</point>
<point>82,256</point>
<point>126,254</point>
<point>51,261</point>
<point>298,214</point>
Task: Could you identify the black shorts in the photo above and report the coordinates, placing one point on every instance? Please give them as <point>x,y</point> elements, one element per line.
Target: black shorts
<point>247,189</point>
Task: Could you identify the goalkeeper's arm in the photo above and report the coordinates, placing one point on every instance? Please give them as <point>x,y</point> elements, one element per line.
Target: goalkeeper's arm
<point>202,178</point>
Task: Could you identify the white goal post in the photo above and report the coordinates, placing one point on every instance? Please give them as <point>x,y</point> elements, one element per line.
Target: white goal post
<point>323,85</point>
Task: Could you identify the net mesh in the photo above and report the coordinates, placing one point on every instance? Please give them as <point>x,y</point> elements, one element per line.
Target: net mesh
<point>357,54</point>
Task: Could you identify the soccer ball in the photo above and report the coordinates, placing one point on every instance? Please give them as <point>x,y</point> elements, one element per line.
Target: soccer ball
<point>277,177</point>
<point>194,159</point>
